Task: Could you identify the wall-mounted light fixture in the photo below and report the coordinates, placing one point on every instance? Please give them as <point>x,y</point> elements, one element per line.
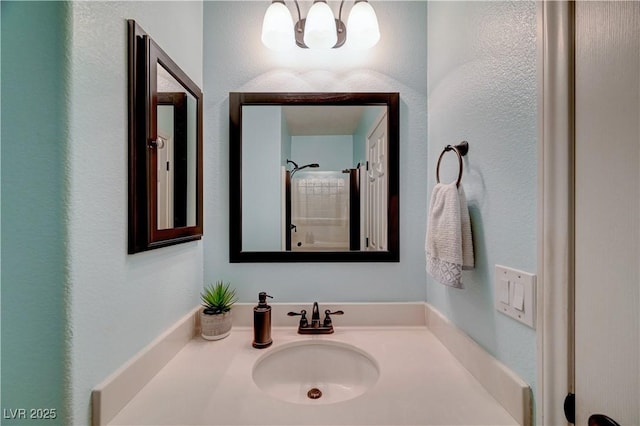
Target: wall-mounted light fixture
<point>320,30</point>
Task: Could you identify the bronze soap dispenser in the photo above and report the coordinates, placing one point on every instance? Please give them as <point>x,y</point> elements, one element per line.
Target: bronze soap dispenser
<point>262,322</point>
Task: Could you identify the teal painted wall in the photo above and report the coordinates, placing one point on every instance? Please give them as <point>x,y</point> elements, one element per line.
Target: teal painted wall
<point>119,303</point>
<point>261,200</point>
<point>475,62</point>
<point>35,95</point>
<point>478,82</point>
<point>482,88</point>
<point>285,147</point>
<point>370,115</point>
<point>397,64</point>
<point>331,152</point>
<point>75,306</point>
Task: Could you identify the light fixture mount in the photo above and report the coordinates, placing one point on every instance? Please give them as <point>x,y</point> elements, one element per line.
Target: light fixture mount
<point>322,30</point>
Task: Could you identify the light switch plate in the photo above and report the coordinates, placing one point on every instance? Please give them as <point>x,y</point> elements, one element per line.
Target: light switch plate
<point>522,292</point>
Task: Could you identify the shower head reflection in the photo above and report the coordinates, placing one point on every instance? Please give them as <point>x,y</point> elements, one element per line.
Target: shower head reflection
<point>296,167</point>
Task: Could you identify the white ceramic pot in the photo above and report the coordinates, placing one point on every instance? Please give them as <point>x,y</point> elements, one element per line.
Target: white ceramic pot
<point>215,327</point>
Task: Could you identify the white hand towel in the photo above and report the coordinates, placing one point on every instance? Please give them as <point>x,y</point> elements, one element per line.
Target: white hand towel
<point>449,243</point>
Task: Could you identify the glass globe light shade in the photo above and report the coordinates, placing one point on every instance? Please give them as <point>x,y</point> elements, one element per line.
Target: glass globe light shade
<point>277,27</point>
<point>362,26</point>
<point>320,27</point>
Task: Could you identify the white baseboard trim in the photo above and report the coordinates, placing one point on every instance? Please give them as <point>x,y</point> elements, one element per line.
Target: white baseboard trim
<point>504,385</point>
<point>110,396</point>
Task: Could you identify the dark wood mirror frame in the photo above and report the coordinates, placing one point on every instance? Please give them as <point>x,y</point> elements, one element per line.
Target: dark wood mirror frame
<point>144,57</point>
<point>238,100</point>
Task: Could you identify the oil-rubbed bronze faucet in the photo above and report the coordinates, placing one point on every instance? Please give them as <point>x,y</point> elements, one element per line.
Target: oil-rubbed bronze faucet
<point>315,327</point>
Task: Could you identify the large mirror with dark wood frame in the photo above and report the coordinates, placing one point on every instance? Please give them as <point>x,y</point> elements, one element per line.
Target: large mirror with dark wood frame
<point>165,148</point>
<point>314,177</point>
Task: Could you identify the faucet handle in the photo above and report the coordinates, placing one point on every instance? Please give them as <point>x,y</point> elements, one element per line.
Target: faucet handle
<point>327,319</point>
<point>303,320</point>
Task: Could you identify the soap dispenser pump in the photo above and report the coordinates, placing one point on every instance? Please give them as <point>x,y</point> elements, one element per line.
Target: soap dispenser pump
<point>262,322</point>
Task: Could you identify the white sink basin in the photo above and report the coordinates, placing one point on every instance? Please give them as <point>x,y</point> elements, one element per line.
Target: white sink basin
<point>315,372</point>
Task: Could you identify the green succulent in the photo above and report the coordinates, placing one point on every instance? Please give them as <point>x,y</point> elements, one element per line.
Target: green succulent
<point>218,298</point>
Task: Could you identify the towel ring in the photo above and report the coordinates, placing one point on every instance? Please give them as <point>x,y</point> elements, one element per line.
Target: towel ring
<point>461,149</point>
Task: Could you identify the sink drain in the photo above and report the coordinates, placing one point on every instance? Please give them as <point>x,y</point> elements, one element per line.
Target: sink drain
<point>314,393</point>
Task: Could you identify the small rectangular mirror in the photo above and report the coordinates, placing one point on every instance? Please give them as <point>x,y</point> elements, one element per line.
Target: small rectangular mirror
<point>165,148</point>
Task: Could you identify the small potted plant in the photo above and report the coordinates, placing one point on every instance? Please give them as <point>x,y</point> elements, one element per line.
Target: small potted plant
<point>215,318</point>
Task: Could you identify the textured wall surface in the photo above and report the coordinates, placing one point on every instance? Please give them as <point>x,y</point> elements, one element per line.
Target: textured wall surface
<point>34,260</point>
<point>482,88</point>
<point>75,306</point>
<point>237,61</point>
<point>118,302</point>
<point>64,173</point>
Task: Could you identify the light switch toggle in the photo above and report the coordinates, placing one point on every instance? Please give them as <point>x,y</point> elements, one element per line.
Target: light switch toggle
<point>518,296</point>
<point>503,291</point>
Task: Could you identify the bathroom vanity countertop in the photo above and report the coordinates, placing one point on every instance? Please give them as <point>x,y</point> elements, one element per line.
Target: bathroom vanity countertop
<point>420,383</point>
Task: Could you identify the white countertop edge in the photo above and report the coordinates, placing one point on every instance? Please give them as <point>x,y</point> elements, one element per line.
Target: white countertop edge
<point>110,396</point>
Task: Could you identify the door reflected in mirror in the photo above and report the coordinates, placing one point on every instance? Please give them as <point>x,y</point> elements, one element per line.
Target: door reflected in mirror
<point>317,177</point>
<point>176,153</point>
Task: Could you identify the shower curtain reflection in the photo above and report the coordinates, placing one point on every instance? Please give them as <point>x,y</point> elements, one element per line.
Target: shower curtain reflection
<point>320,211</point>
